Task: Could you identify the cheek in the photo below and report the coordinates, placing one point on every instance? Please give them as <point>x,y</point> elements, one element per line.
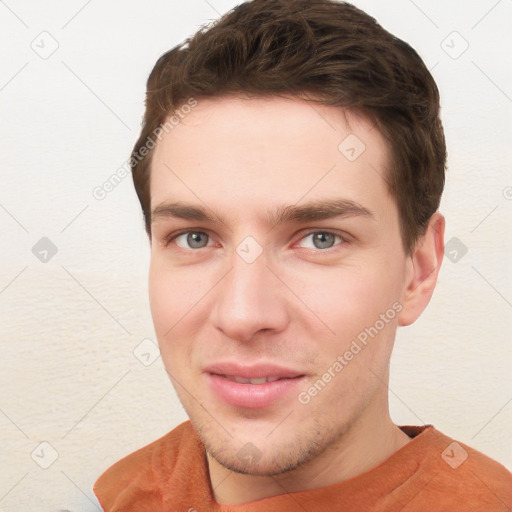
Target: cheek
<point>359,305</point>
<point>172,299</point>
<point>347,299</point>
<point>172,289</point>
<point>162,299</point>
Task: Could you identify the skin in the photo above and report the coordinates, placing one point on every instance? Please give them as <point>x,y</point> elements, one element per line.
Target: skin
<point>296,305</point>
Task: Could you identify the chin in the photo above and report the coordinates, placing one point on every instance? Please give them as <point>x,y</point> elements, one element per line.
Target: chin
<point>262,464</point>
<point>262,455</point>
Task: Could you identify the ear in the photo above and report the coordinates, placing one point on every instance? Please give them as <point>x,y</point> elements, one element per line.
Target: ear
<point>423,268</point>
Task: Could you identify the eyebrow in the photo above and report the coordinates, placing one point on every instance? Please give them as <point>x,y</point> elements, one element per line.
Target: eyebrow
<point>311,211</point>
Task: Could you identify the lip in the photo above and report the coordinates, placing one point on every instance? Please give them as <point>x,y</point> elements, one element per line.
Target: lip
<point>254,371</point>
<point>247,395</point>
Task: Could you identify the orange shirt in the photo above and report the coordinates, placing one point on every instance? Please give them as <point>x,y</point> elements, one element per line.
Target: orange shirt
<point>432,473</point>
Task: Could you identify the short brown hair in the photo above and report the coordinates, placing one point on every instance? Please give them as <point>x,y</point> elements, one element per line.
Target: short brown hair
<point>327,49</point>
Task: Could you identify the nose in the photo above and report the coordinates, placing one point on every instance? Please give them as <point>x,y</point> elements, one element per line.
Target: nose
<point>249,300</point>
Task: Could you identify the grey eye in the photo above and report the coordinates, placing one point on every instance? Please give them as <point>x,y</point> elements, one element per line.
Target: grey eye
<point>323,240</point>
<point>192,240</point>
<point>320,240</point>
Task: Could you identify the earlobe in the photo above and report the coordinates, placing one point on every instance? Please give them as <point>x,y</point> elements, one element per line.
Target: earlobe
<point>424,264</point>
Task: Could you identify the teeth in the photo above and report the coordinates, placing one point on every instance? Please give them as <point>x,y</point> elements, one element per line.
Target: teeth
<point>261,380</point>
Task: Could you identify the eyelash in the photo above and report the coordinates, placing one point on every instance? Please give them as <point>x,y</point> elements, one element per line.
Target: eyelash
<point>343,237</point>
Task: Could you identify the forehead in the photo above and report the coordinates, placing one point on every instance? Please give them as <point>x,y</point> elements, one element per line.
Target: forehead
<point>240,152</point>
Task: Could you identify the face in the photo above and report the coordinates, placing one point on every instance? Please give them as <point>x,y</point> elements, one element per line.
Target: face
<point>277,275</point>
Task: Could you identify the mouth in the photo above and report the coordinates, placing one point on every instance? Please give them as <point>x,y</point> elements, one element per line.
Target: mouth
<point>252,387</point>
<point>243,380</point>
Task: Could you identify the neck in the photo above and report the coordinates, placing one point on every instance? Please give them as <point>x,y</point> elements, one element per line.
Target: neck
<point>365,445</point>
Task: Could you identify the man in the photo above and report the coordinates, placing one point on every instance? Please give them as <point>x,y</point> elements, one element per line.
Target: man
<point>290,169</point>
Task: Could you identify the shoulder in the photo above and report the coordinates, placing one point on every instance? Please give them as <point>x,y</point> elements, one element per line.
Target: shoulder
<point>143,469</point>
<point>465,477</point>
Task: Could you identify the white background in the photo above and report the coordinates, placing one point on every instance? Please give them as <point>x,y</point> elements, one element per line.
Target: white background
<point>69,326</point>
